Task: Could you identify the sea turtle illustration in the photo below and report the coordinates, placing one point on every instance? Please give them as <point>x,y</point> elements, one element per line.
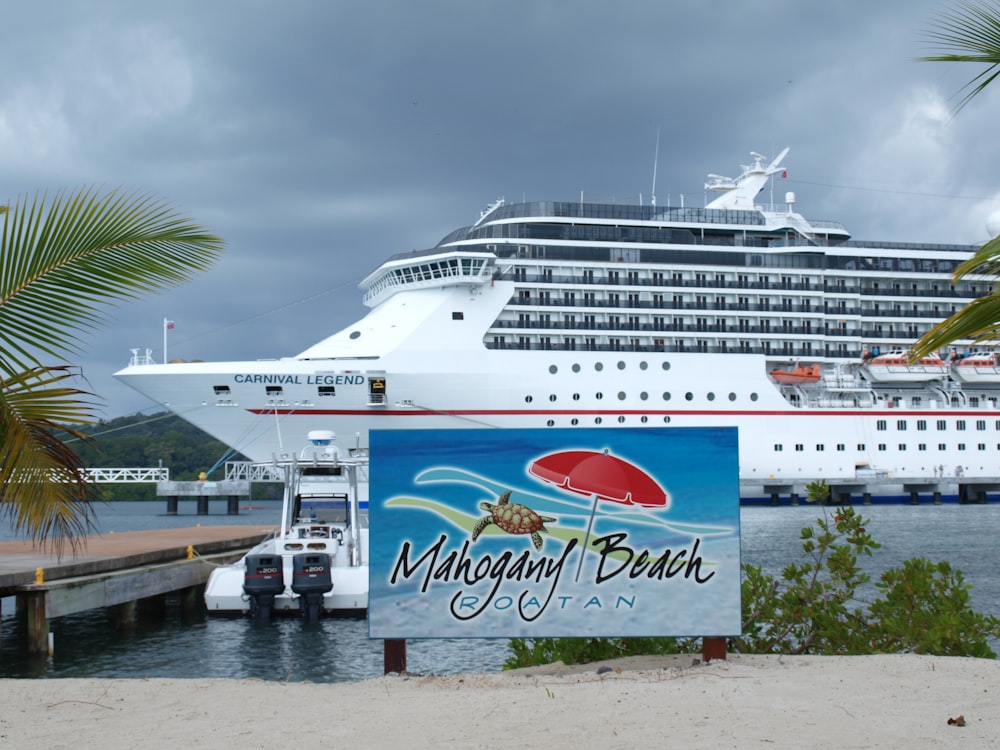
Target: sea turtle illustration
<point>513,518</point>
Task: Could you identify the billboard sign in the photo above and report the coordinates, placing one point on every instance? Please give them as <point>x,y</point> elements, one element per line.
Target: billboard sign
<point>554,533</point>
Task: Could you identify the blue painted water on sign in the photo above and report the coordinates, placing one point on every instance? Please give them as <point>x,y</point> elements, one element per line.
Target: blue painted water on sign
<point>554,533</point>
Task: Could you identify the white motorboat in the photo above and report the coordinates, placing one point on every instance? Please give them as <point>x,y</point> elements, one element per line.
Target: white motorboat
<point>317,561</point>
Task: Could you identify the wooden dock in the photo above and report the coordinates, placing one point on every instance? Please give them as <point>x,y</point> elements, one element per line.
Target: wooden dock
<point>115,570</point>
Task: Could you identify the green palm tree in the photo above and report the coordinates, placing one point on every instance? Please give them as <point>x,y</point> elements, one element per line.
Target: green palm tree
<point>970,33</point>
<point>62,264</point>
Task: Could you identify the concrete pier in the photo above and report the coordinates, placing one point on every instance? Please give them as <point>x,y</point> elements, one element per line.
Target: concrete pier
<point>868,490</point>
<point>123,572</point>
<point>202,491</point>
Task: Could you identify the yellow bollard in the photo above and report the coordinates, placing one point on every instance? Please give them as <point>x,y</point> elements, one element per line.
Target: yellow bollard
<point>39,576</point>
<point>190,552</point>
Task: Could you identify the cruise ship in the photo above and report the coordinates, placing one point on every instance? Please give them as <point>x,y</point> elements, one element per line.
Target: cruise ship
<point>582,314</point>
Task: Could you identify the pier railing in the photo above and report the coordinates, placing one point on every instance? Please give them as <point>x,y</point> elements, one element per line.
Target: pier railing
<point>134,474</point>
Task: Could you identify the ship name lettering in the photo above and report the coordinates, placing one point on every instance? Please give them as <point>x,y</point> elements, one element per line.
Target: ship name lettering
<point>276,379</point>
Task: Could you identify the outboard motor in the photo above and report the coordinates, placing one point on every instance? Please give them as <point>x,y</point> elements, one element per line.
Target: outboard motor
<point>310,580</point>
<point>263,579</point>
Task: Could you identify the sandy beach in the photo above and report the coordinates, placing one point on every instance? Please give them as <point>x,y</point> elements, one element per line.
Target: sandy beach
<point>903,701</point>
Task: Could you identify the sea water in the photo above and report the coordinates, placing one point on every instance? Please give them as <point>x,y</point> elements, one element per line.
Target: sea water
<point>189,645</point>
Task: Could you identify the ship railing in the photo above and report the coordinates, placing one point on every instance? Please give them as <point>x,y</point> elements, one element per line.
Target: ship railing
<point>274,470</point>
<point>141,357</point>
<point>492,341</point>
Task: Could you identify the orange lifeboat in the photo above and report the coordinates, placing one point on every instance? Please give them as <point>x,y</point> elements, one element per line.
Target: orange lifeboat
<point>797,376</point>
<point>895,367</point>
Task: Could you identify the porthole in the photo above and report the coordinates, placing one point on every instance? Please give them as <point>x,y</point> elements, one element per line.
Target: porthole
<point>665,365</point>
<point>598,396</point>
<point>597,420</point>
<point>598,366</point>
<point>666,420</point>
<point>753,396</point>
<point>711,396</point>
<point>621,395</point>
<point>553,369</point>
<point>576,368</point>
<point>550,423</point>
<point>644,419</point>
<point>552,397</point>
<point>643,365</point>
<point>666,395</point>
<point>621,420</point>
<point>528,399</point>
<point>732,396</point>
<point>355,334</point>
<point>621,365</point>
<point>644,396</point>
<point>574,421</point>
<point>576,396</point>
<point>689,396</point>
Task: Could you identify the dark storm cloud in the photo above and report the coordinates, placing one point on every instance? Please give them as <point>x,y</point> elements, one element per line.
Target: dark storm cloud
<point>318,138</point>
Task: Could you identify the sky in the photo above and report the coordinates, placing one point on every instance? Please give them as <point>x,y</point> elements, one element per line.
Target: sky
<point>319,138</point>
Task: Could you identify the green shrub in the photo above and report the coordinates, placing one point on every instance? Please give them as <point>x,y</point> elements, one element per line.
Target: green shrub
<point>816,607</point>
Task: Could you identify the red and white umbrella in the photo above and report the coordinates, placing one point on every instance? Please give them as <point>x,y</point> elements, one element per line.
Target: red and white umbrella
<point>602,476</point>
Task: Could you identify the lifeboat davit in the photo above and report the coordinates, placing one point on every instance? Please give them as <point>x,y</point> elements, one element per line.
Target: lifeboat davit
<point>797,376</point>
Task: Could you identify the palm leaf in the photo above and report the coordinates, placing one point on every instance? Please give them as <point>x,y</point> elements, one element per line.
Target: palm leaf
<point>969,34</point>
<point>45,490</point>
<point>62,264</point>
<point>980,319</point>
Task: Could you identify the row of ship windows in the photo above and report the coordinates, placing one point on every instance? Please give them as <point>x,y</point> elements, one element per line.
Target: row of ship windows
<point>901,424</point>
<point>600,420</point>
<point>762,302</point>
<point>799,447</point>
<point>806,283</point>
<point>643,395</point>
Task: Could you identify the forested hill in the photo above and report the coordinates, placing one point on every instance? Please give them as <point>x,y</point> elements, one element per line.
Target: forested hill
<point>145,440</point>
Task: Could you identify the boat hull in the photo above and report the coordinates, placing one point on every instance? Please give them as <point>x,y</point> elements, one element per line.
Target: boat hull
<point>224,593</point>
<point>497,390</point>
<point>985,375</point>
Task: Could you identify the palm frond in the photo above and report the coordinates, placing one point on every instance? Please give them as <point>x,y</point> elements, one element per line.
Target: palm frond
<point>969,34</point>
<point>45,491</point>
<point>62,262</point>
<point>978,321</point>
<point>984,262</point>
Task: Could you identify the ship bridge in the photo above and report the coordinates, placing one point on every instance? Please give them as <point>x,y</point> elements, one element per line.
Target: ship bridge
<point>428,269</point>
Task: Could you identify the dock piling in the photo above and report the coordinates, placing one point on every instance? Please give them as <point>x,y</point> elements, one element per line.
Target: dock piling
<point>38,624</point>
<point>394,656</point>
